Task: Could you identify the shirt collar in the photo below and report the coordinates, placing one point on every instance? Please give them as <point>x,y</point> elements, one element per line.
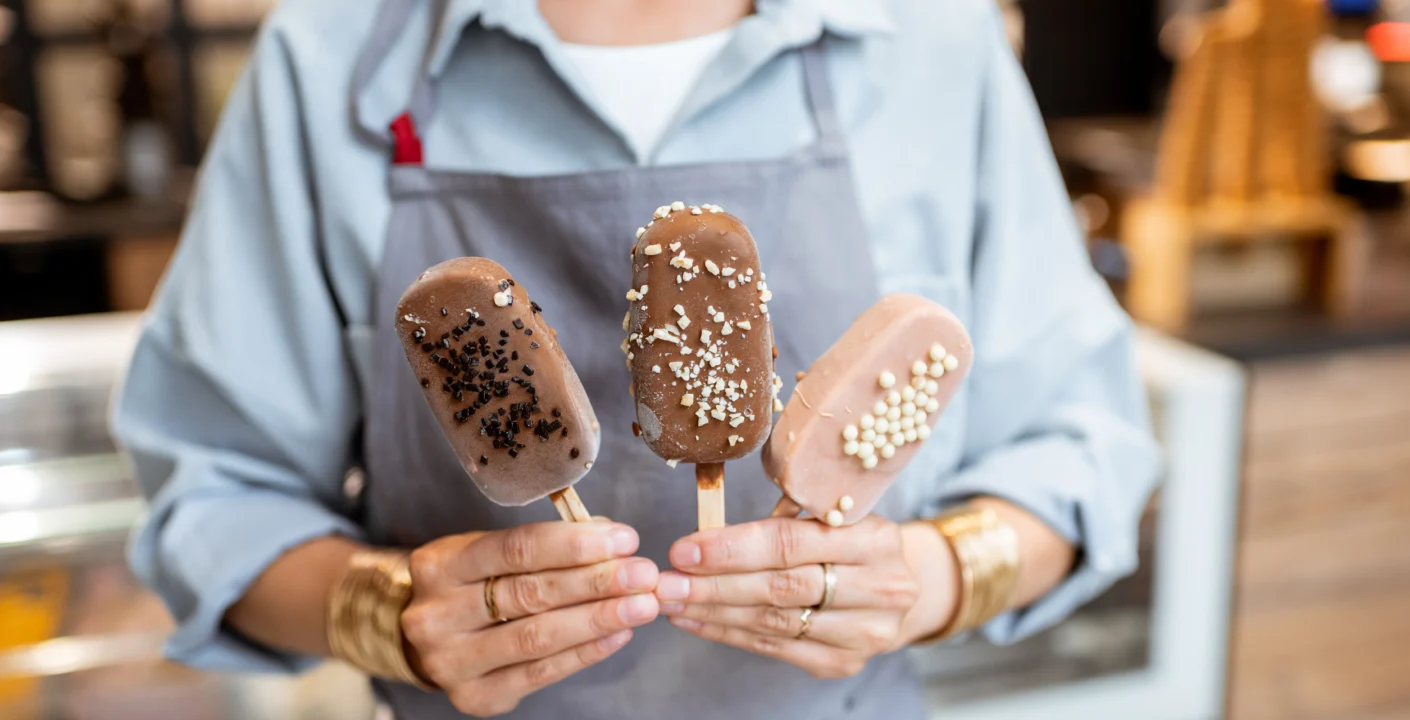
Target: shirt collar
<point>798,21</point>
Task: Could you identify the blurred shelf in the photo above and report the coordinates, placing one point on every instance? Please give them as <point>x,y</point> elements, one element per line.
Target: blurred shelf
<point>32,217</point>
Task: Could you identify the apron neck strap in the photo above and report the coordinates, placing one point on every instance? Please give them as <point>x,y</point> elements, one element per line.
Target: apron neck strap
<point>818,87</point>
<point>391,22</point>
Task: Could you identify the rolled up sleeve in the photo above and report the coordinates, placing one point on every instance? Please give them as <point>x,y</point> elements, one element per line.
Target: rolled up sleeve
<point>240,406</point>
<point>1057,418</point>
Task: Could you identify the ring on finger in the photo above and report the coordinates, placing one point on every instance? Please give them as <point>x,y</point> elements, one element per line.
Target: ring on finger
<point>807,619</point>
<point>829,595</point>
<point>490,605</point>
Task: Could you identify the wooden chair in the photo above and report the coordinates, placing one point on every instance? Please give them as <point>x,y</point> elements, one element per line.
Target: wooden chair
<point>1242,159</point>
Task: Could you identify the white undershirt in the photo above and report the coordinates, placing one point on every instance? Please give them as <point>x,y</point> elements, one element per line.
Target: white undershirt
<point>642,87</point>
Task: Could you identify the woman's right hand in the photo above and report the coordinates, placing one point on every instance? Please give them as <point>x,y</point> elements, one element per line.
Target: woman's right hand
<point>570,593</point>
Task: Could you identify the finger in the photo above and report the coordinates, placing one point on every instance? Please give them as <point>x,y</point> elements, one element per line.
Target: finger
<point>818,659</point>
<point>520,680</point>
<point>518,596</point>
<point>540,636</point>
<point>847,629</point>
<point>540,546</point>
<point>775,544</point>
<point>858,586</point>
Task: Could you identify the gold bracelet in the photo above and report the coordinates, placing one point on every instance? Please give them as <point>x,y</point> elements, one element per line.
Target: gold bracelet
<point>364,615</point>
<point>986,550</point>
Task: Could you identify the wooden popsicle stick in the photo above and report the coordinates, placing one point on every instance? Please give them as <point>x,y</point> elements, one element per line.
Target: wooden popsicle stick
<point>710,494</point>
<point>570,506</point>
<point>786,508</point>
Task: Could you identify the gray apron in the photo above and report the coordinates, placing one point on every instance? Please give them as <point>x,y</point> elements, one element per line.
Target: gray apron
<point>565,238</point>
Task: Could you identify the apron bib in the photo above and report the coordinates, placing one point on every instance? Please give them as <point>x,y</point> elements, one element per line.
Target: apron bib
<point>566,238</point>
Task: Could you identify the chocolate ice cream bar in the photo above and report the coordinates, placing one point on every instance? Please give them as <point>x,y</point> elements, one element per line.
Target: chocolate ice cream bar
<point>863,410</point>
<point>699,343</point>
<point>501,388</point>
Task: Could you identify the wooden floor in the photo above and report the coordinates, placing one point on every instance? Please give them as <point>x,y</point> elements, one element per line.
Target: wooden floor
<point>1322,610</point>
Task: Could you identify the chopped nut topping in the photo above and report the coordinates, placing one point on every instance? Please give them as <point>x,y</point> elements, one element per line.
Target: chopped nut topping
<point>652,249</point>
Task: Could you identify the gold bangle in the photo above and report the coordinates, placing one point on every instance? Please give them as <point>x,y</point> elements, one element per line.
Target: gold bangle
<point>986,551</point>
<point>364,615</point>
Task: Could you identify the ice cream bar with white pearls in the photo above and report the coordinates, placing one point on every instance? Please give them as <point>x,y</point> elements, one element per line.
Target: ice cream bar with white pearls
<point>866,407</point>
<point>699,344</point>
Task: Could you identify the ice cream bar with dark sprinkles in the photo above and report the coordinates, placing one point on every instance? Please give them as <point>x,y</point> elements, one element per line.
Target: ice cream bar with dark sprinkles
<point>699,344</point>
<point>499,385</point>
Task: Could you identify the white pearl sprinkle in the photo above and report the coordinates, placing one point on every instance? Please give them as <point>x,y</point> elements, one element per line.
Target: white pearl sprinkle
<point>893,414</point>
<point>937,352</point>
<point>893,398</point>
<point>846,503</point>
<point>918,382</point>
<point>908,409</point>
<point>879,409</point>
<point>910,435</point>
<point>888,451</point>
<point>918,368</point>
<point>834,518</point>
<point>849,432</point>
<point>933,406</point>
<point>898,438</point>
<point>879,442</point>
<point>882,426</point>
<point>923,432</point>
<point>868,435</point>
<point>908,423</point>
<point>865,450</point>
<point>887,380</point>
<point>867,422</point>
<point>921,399</point>
<point>951,362</point>
<point>869,462</point>
<point>850,448</point>
<point>503,299</point>
<point>921,417</point>
<point>932,388</point>
<point>908,393</point>
<point>937,370</point>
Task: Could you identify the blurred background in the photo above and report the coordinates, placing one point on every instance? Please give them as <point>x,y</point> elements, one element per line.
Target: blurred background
<point>1240,171</point>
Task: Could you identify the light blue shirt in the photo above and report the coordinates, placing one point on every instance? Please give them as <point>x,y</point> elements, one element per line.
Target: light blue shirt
<point>244,396</point>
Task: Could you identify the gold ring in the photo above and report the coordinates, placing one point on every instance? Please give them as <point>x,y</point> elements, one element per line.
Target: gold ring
<point>490,604</point>
<point>807,619</point>
<point>829,588</point>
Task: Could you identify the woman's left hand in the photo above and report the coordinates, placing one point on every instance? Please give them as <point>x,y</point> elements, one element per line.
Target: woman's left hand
<point>749,585</point>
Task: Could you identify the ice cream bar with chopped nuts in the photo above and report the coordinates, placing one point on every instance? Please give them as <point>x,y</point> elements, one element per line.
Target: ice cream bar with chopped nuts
<point>699,343</point>
<point>864,409</point>
<point>501,388</point>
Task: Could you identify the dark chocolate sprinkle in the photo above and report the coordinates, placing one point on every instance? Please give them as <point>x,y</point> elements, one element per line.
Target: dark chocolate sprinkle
<point>444,312</point>
<point>518,324</point>
<point>504,333</point>
<point>514,355</point>
<point>636,429</point>
<point>528,371</point>
<point>557,413</point>
<point>484,460</point>
<point>503,284</point>
<point>480,322</point>
<point>513,453</point>
<point>425,382</point>
<point>535,307</point>
<point>528,332</point>
<point>533,346</point>
<point>427,347</point>
<point>574,453</point>
<point>565,432</point>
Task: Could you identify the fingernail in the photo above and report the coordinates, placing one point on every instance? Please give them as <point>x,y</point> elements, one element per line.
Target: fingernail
<point>672,608</point>
<point>637,609</point>
<point>637,575</point>
<point>614,641</point>
<point>685,623</point>
<point>685,554</point>
<point>673,587</point>
<point>624,541</point>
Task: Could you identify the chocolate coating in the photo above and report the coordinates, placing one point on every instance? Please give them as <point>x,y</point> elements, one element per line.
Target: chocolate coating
<point>700,351</point>
<point>501,388</point>
<point>806,454</point>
